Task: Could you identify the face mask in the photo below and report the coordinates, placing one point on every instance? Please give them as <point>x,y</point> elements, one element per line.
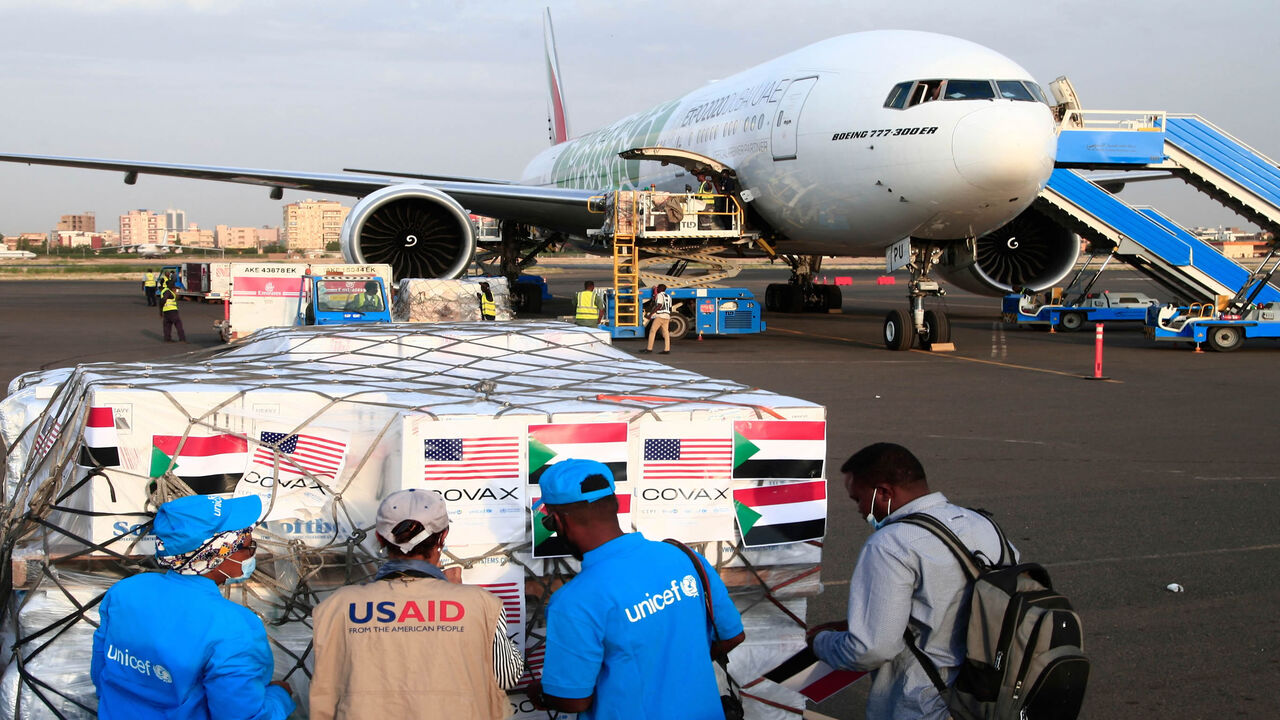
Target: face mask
<point>246,569</point>
<point>871,514</point>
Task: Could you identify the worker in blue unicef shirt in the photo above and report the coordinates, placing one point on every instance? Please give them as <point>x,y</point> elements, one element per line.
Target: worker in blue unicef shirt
<point>628,637</point>
<point>168,645</point>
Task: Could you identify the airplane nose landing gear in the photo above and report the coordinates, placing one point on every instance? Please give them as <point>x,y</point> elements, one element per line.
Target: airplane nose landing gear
<point>931,327</point>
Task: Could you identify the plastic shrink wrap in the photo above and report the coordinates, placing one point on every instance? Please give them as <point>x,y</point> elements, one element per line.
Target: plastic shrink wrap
<point>419,300</point>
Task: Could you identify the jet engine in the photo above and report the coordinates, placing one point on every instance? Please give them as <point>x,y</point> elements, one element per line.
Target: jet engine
<point>1031,251</point>
<point>419,231</point>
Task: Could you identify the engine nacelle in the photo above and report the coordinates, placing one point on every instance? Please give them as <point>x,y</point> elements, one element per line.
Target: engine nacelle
<point>1031,251</point>
<point>419,231</point>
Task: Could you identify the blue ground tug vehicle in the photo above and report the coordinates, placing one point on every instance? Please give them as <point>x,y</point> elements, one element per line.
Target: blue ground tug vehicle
<point>343,300</point>
<point>700,311</point>
<point>1226,329</point>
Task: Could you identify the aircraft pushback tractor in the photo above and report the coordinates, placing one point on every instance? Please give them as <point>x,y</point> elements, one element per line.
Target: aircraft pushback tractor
<point>921,145</point>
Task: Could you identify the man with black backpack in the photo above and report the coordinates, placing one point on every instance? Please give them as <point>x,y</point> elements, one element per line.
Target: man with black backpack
<point>942,613</point>
<point>905,580</point>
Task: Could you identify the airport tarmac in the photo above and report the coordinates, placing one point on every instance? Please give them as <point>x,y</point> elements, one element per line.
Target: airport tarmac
<point>1162,474</point>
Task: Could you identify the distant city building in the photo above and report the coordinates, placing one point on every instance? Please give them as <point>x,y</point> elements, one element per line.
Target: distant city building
<point>192,237</point>
<point>32,239</point>
<point>313,224</point>
<point>142,227</point>
<point>84,222</point>
<point>232,238</point>
<point>175,220</point>
<point>1234,242</point>
<point>82,238</point>
<point>268,236</point>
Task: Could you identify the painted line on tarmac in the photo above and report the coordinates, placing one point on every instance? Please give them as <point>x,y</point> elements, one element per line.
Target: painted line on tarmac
<point>944,356</point>
<point>999,345</point>
<point>1164,556</point>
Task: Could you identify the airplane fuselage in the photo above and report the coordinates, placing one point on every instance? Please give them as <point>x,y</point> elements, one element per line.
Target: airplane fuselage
<point>829,164</point>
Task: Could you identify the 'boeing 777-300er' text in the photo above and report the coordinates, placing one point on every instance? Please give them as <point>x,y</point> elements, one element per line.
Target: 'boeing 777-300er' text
<point>924,146</point>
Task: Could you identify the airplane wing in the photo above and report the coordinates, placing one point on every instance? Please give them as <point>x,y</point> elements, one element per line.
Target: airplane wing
<point>425,176</point>
<point>546,207</point>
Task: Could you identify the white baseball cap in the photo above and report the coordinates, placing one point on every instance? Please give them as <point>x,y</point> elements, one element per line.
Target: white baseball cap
<point>425,506</point>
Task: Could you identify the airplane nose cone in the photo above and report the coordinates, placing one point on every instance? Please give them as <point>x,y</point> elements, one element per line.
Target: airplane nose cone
<point>1007,147</point>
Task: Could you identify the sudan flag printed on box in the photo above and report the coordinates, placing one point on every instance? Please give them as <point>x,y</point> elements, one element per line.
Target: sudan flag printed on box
<point>548,544</point>
<point>210,465</point>
<point>101,445</point>
<point>779,449</point>
<point>605,442</point>
<point>777,514</point>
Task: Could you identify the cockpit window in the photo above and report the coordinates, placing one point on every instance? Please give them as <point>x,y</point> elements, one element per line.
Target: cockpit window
<point>969,90</point>
<point>1036,91</point>
<point>1014,90</point>
<point>908,94</point>
<point>911,93</point>
<point>898,95</point>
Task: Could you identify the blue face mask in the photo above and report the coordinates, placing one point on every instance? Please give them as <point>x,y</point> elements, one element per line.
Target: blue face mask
<point>871,514</point>
<point>246,570</point>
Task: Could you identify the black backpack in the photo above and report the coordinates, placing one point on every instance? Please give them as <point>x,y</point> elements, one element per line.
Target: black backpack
<point>1024,649</point>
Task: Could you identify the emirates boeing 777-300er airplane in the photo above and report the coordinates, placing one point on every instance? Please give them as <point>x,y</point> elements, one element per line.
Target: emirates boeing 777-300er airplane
<point>921,146</point>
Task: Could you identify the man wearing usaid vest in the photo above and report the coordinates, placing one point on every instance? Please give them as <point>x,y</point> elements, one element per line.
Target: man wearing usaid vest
<point>413,643</point>
<point>628,637</point>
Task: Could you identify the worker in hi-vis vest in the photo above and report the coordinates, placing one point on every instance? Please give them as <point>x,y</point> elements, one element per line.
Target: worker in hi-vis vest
<point>169,310</point>
<point>488,308</point>
<point>149,287</point>
<point>589,310</point>
<point>707,194</point>
<point>368,301</point>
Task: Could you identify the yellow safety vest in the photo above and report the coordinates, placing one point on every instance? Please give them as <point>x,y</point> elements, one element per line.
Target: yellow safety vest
<point>488,308</point>
<point>587,309</point>
<point>150,281</point>
<point>707,191</point>
<point>170,301</point>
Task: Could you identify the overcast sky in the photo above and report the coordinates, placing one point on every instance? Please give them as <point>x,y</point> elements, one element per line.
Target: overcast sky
<point>459,88</point>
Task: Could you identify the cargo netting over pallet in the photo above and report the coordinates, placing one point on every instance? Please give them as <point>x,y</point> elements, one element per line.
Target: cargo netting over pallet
<point>321,423</point>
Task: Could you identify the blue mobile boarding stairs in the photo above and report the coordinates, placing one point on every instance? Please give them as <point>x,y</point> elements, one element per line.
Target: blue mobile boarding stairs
<point>1188,147</point>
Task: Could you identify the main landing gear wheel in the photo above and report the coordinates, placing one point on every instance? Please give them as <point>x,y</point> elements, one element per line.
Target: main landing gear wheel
<point>771,294</point>
<point>784,298</point>
<point>1071,322</point>
<point>1225,338</point>
<point>835,300</point>
<point>937,328</point>
<point>899,331</point>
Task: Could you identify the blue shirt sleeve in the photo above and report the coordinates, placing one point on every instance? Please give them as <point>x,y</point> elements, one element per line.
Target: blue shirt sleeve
<point>237,672</point>
<point>575,646</point>
<point>99,641</point>
<point>728,621</point>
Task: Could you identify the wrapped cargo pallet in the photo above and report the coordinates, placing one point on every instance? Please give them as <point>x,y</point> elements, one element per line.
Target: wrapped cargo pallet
<point>322,422</point>
<point>419,300</point>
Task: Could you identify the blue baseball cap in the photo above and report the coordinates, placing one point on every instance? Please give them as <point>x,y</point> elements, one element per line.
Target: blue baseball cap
<point>566,482</point>
<point>186,523</point>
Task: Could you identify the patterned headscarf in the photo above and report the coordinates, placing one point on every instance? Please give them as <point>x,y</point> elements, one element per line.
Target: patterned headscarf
<point>208,556</point>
